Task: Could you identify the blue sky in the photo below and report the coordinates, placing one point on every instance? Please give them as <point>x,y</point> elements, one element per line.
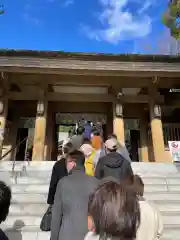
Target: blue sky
<point>113,26</point>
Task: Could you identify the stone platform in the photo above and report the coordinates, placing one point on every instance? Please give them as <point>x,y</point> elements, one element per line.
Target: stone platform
<point>30,187</point>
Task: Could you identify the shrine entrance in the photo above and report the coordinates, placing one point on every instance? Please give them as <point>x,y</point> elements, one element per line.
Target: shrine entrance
<point>132,138</point>
<point>67,123</point>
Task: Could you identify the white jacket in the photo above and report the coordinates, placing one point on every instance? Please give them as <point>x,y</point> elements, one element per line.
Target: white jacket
<point>151,226</point>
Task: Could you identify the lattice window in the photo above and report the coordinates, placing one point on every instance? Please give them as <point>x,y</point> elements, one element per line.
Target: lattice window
<point>171,132</point>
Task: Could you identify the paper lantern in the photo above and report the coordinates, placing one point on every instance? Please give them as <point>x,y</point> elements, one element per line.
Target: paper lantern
<point>157,111</point>
<point>40,108</point>
<point>1,107</point>
<point>119,110</point>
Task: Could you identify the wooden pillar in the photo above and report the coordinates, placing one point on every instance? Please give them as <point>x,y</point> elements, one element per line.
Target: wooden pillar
<point>49,135</point>
<point>4,89</point>
<point>40,129</point>
<point>144,156</point>
<point>157,132</point>
<point>3,118</point>
<point>118,123</point>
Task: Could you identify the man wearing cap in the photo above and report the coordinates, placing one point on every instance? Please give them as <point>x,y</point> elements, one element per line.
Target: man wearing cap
<point>121,148</point>
<point>113,164</point>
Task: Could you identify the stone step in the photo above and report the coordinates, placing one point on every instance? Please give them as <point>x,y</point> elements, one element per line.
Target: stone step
<point>28,209</point>
<point>39,209</point>
<point>19,226</point>
<point>22,221</point>
<point>168,206</point>
<point>43,188</point>
<point>154,169</point>
<point>40,173</point>
<point>35,220</point>
<point>46,179</point>
<point>171,232</point>
<point>17,235</point>
<point>29,235</point>
<point>26,188</point>
<point>30,181</point>
<point>29,198</point>
<point>159,196</point>
<point>41,197</point>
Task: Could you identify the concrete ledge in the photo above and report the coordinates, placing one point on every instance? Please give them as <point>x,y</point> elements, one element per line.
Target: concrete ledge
<point>47,165</point>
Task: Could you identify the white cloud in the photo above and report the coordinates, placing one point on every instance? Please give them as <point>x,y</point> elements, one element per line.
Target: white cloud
<point>32,19</point>
<point>145,7</point>
<point>119,23</point>
<point>162,43</point>
<point>67,3</point>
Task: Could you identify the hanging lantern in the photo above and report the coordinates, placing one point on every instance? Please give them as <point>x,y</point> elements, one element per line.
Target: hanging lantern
<point>1,107</point>
<point>119,110</point>
<point>157,111</point>
<point>40,108</point>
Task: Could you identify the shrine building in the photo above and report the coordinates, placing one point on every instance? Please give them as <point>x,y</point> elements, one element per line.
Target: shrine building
<point>45,93</point>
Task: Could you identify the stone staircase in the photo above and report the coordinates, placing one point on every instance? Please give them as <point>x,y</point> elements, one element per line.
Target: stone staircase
<point>30,186</point>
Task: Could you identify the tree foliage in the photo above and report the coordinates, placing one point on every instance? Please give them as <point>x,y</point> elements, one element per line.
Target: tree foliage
<point>171,18</point>
<point>1,9</point>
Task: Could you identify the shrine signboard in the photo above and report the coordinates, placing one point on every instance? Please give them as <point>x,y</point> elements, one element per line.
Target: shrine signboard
<point>174,147</point>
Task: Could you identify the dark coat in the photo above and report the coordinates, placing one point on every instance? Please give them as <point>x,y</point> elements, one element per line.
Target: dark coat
<point>114,165</point>
<point>70,209</point>
<point>59,171</point>
<point>3,235</point>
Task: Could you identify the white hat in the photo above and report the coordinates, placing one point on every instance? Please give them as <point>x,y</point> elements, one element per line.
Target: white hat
<point>87,149</point>
<point>111,144</point>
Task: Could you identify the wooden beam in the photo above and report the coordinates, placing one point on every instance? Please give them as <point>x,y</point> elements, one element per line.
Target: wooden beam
<point>139,99</point>
<point>35,79</point>
<point>87,67</point>
<point>86,72</point>
<point>89,80</point>
<point>62,97</point>
<point>71,97</point>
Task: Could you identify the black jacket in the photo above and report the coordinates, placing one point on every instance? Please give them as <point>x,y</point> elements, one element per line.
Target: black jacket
<point>69,212</point>
<point>113,165</point>
<point>59,171</point>
<point>3,235</point>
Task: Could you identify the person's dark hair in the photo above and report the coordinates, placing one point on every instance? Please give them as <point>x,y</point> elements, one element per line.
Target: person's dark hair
<point>68,147</point>
<point>5,200</point>
<point>138,185</point>
<point>80,130</point>
<point>78,157</point>
<point>96,133</point>
<point>86,141</point>
<point>112,136</point>
<point>112,150</point>
<point>115,211</point>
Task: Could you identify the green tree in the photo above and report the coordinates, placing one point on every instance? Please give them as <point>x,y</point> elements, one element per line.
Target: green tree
<point>171,18</point>
<point>1,9</point>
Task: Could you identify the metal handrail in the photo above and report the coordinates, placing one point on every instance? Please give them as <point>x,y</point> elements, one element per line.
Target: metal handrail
<point>17,147</point>
<point>14,160</point>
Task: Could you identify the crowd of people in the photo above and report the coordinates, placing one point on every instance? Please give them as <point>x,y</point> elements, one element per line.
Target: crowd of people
<point>94,194</point>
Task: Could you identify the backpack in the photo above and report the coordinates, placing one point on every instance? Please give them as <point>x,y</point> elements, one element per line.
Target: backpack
<point>89,165</point>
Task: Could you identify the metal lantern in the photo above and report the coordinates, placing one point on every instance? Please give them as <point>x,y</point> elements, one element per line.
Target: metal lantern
<point>40,108</point>
<point>1,107</point>
<point>119,110</point>
<point>157,111</point>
